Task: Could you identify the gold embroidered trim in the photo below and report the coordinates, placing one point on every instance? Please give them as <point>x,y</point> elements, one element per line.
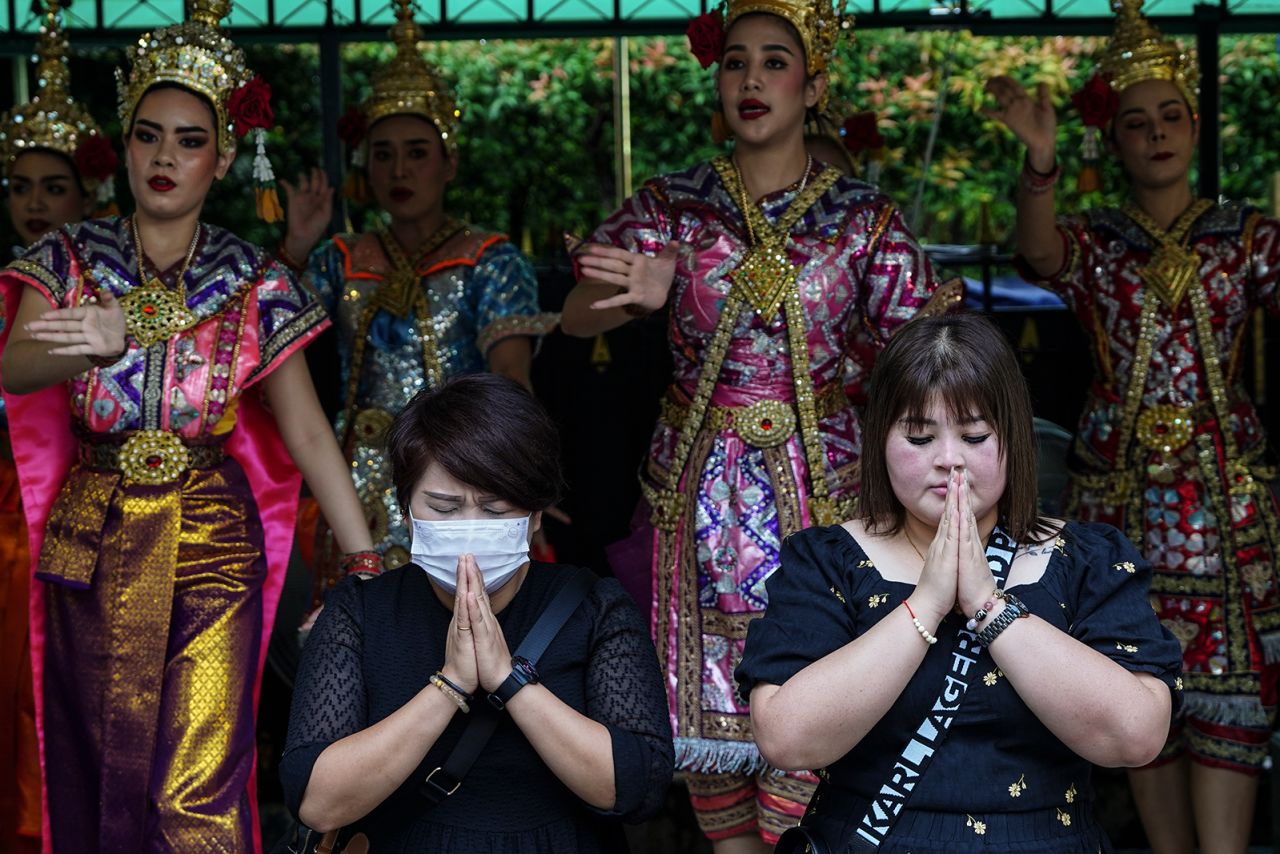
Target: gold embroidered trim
<point>1173,268</point>
<point>764,277</point>
<point>667,501</point>
<point>400,294</point>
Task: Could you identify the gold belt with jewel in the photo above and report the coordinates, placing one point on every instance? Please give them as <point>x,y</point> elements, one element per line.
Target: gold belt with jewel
<point>764,424</point>
<point>1169,428</point>
<point>150,457</point>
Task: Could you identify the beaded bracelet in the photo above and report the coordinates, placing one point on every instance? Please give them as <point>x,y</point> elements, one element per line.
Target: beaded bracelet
<point>924,633</point>
<point>454,685</point>
<point>458,697</point>
<point>1013,610</point>
<point>361,562</point>
<point>1036,182</point>
<point>981,613</point>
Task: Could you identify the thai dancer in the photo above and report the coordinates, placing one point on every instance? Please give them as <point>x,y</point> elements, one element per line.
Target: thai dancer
<point>1169,448</point>
<point>57,165</point>
<point>159,490</point>
<point>774,267</point>
<point>427,297</point>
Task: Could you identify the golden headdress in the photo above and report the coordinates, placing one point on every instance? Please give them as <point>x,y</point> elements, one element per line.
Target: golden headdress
<point>194,55</point>
<point>52,120</point>
<point>1137,51</point>
<point>817,21</point>
<point>409,86</point>
<point>197,56</point>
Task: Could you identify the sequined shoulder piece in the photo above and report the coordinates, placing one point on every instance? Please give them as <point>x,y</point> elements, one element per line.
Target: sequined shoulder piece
<point>695,186</point>
<point>1219,221</point>
<point>223,265</point>
<point>1227,220</point>
<point>847,199</point>
<point>700,186</point>
<point>48,261</point>
<point>464,247</point>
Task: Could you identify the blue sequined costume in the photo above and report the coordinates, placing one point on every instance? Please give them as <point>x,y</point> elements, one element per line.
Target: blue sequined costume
<point>399,334</point>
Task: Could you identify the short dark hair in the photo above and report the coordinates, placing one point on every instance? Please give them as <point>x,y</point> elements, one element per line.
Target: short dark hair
<point>965,360</point>
<point>487,431</point>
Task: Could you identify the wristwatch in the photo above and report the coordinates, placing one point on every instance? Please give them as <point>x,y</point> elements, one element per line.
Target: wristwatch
<point>1013,610</point>
<point>522,673</point>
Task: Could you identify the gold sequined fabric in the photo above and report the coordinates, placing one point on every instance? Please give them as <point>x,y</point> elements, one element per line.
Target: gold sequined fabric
<point>149,671</point>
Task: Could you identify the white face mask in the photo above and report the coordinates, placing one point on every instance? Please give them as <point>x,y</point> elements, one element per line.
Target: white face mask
<point>500,546</point>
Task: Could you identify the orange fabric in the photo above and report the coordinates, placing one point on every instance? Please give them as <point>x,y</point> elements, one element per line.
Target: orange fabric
<point>19,755</point>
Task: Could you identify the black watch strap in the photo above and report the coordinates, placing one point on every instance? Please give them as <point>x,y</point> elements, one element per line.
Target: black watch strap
<point>522,673</point>
<point>445,780</point>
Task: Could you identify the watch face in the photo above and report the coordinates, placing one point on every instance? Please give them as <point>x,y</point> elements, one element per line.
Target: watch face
<point>523,666</point>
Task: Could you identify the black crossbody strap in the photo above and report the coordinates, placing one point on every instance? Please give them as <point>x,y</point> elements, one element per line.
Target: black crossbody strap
<point>445,780</point>
<point>921,748</point>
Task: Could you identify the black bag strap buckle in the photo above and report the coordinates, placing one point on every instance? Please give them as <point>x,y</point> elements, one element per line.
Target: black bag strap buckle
<point>436,790</point>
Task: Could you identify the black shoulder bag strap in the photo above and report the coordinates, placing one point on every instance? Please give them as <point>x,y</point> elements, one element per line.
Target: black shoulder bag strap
<point>919,752</point>
<point>445,780</point>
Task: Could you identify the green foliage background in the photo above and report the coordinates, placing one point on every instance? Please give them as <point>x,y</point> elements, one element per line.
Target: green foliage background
<point>538,135</point>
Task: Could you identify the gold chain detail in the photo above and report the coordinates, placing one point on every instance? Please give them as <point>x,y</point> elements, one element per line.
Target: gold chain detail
<point>766,273</point>
<point>1238,476</point>
<point>1120,482</point>
<point>822,509</point>
<point>667,502</point>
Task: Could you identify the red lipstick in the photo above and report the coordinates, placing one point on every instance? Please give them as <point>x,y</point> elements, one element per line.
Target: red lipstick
<point>161,184</point>
<point>751,109</point>
<point>37,226</point>
<point>401,194</point>
<point>1162,155</point>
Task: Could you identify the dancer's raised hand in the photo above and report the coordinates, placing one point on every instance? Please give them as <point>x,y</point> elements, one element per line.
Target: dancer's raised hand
<point>1032,120</point>
<point>642,280</point>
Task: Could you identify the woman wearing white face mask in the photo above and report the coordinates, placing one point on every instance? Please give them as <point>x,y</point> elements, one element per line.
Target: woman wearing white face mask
<point>398,669</point>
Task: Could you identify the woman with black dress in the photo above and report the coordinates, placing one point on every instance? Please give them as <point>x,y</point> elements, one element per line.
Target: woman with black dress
<point>397,666</point>
<point>946,713</point>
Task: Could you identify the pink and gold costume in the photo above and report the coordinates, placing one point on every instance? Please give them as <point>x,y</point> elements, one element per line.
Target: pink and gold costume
<point>729,473</point>
<point>20,779</point>
<point>161,503</point>
<point>1170,450</point>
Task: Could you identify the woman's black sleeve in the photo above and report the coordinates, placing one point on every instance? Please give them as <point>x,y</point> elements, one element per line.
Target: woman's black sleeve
<point>329,693</point>
<point>625,693</point>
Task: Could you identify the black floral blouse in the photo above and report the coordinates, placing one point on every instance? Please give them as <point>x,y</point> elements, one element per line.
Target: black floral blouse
<point>998,762</point>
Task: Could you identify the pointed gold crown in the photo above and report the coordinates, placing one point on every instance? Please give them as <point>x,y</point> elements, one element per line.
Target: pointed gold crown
<point>1137,51</point>
<point>195,55</point>
<point>409,86</point>
<point>51,119</point>
<point>817,21</point>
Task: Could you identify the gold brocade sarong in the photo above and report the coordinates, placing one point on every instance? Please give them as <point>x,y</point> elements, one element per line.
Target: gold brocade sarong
<point>150,671</point>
